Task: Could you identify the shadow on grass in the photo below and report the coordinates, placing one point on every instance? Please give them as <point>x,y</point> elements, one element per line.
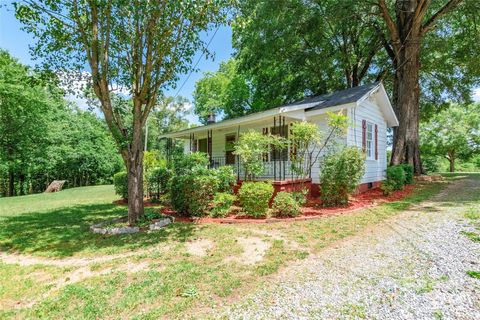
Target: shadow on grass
<point>64,232</point>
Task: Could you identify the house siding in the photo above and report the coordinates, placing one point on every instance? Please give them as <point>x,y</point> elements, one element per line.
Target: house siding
<point>368,110</point>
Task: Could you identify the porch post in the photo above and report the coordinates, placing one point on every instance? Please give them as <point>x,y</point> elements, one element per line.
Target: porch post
<point>274,150</point>
<point>237,156</point>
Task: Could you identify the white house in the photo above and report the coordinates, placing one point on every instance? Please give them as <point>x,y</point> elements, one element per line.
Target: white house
<point>367,107</point>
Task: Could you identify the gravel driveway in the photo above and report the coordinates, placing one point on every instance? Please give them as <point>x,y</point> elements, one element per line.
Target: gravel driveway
<point>412,266</point>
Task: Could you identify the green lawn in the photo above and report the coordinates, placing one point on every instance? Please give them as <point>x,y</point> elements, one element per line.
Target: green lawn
<point>147,275</point>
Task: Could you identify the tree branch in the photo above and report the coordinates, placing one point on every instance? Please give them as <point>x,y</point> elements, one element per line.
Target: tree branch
<point>430,23</point>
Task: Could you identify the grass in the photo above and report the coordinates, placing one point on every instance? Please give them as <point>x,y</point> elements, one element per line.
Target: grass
<point>174,283</point>
<point>474,274</point>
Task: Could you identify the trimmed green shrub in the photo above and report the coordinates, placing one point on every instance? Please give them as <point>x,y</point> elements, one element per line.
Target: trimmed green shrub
<point>191,194</point>
<point>221,204</point>
<point>158,181</point>
<point>120,183</point>
<point>341,173</point>
<point>226,178</point>
<point>387,188</point>
<point>285,205</point>
<point>254,198</point>
<point>408,169</point>
<point>396,177</point>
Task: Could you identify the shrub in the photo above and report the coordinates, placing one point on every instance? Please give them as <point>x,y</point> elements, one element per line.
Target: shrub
<point>222,202</point>
<point>300,196</point>
<point>226,178</point>
<point>408,169</point>
<point>191,194</point>
<point>254,198</point>
<point>158,181</point>
<point>396,177</point>
<point>285,205</point>
<point>120,183</point>
<point>340,174</point>
<point>190,163</point>
<point>252,147</point>
<point>387,188</point>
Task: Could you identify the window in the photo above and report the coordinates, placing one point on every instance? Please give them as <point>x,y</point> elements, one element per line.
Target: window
<point>369,141</point>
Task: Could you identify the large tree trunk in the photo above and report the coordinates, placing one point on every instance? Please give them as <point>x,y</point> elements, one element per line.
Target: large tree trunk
<point>134,164</point>
<point>135,189</point>
<point>451,160</point>
<point>406,147</point>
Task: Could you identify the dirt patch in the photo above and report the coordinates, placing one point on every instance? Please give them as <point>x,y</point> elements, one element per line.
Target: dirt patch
<point>254,250</point>
<point>199,247</point>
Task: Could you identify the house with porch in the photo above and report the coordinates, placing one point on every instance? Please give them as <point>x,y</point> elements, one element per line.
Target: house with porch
<point>367,107</point>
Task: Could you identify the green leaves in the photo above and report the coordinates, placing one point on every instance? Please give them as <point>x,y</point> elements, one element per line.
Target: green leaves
<point>225,91</point>
<point>452,133</point>
<point>252,147</point>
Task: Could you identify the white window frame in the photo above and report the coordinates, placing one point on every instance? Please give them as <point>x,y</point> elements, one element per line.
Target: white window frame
<point>370,140</point>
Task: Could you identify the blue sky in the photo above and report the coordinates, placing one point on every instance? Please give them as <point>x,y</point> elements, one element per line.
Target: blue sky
<point>17,41</point>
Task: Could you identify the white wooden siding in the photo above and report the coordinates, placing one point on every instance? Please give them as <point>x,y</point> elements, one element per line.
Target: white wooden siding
<point>368,110</point>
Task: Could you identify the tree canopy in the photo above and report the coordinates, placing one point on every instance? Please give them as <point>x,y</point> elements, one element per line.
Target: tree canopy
<point>42,137</point>
<point>136,46</point>
<point>453,133</point>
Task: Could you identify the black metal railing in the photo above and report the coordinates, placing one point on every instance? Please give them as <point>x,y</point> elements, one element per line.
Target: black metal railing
<point>278,170</point>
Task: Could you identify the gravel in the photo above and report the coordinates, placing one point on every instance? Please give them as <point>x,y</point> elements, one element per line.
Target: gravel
<point>412,266</point>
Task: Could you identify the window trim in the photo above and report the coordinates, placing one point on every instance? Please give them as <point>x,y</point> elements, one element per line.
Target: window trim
<point>370,156</point>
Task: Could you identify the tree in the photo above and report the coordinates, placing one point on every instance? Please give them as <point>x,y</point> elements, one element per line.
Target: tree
<point>225,91</point>
<point>137,46</point>
<point>453,134</point>
<point>309,144</point>
<point>168,115</point>
<point>291,48</point>
<point>24,109</point>
<point>407,24</point>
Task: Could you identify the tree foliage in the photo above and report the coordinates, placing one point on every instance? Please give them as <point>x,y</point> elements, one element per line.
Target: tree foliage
<point>135,46</point>
<point>453,134</point>
<point>225,92</point>
<point>43,138</point>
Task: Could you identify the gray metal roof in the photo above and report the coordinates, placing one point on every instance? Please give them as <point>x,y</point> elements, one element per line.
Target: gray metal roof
<point>337,98</point>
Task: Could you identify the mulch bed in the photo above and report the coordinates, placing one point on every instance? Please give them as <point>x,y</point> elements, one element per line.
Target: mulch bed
<point>312,210</point>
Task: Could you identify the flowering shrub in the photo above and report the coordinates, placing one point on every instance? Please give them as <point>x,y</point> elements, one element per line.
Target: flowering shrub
<point>254,198</point>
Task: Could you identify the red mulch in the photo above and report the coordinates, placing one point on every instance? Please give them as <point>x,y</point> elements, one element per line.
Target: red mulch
<point>312,210</point>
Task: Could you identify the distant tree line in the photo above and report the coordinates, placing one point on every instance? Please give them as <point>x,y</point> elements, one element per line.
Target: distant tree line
<point>43,137</point>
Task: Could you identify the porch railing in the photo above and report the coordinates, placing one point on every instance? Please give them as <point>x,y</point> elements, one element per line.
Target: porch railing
<point>278,170</point>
